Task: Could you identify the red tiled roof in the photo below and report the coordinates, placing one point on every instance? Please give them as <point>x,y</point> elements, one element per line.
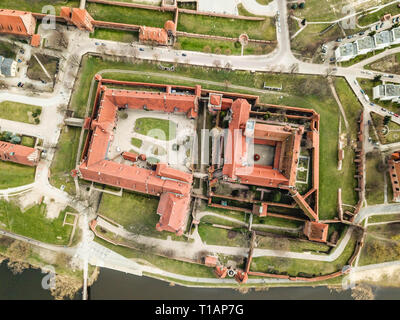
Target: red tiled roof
<point>154,101</point>
<point>35,40</point>
<point>172,210</point>
<point>215,99</point>
<point>151,34</point>
<point>79,17</point>
<point>164,181</point>
<point>316,231</point>
<point>19,154</point>
<point>17,22</point>
<point>164,171</point>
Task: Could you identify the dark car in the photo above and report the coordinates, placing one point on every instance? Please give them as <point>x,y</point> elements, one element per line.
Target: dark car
<point>141,49</point>
<point>183,54</point>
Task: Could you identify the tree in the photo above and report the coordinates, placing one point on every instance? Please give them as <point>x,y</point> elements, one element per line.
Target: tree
<point>294,6</point>
<point>386,120</point>
<point>377,78</point>
<point>302,5</point>
<point>207,49</point>
<point>217,63</point>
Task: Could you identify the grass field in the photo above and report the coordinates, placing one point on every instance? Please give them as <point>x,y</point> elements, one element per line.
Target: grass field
<point>14,175</point>
<point>36,72</point>
<point>375,180</point>
<point>309,41</point>
<point>33,223</point>
<point>381,245</point>
<point>261,30</point>
<point>221,47</point>
<point>166,264</point>
<point>376,16</point>
<point>136,142</point>
<point>7,50</point>
<point>37,5</point>
<point>384,218</point>
<point>15,111</point>
<point>385,137</point>
<point>136,212</point>
<point>152,127</point>
<point>64,159</point>
<point>114,35</point>
<point>303,267</point>
<point>141,17</point>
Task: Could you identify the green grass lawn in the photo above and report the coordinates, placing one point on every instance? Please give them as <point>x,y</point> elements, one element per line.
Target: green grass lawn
<point>390,64</point>
<point>37,5</point>
<point>179,267</point>
<point>385,137</point>
<point>14,175</point>
<point>375,181</point>
<point>28,141</point>
<point>299,267</point>
<point>384,218</point>
<point>136,142</point>
<point>15,111</point>
<point>381,245</point>
<point>136,212</point>
<point>7,50</point>
<point>114,35</point>
<point>221,47</point>
<point>64,159</point>
<point>152,126</point>
<point>218,236</point>
<point>33,223</point>
<point>36,72</point>
<point>261,30</point>
<point>376,16</point>
<point>309,40</point>
<point>141,17</point>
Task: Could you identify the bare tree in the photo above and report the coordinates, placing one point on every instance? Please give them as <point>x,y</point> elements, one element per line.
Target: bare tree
<point>61,39</point>
<point>217,63</point>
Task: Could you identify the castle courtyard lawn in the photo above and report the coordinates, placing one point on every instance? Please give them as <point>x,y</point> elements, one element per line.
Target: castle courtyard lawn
<point>147,126</point>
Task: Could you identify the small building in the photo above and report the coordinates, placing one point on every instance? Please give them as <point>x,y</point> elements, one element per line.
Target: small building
<point>346,51</point>
<point>210,261</point>
<point>18,23</point>
<point>19,154</point>
<point>78,17</point>
<point>158,36</point>
<point>316,231</point>
<point>8,67</point>
<point>387,92</point>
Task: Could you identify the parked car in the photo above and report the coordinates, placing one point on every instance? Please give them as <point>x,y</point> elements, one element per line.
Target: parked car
<point>339,40</point>
<point>371,104</point>
<point>141,49</point>
<point>383,109</point>
<point>19,84</point>
<point>390,76</point>
<point>391,113</point>
<point>183,54</point>
<point>332,59</point>
<point>19,60</point>
<point>396,115</point>
<point>97,43</point>
<point>361,33</point>
<point>22,51</point>
<point>349,37</point>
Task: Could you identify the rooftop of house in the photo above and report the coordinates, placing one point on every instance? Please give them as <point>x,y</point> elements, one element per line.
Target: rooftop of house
<point>19,154</point>
<point>366,43</point>
<point>348,49</point>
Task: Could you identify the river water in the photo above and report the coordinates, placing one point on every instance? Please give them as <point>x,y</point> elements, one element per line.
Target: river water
<point>117,285</point>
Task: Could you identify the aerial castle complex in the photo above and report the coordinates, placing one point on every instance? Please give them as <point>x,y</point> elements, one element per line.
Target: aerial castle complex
<point>258,153</point>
